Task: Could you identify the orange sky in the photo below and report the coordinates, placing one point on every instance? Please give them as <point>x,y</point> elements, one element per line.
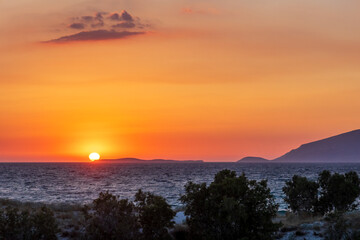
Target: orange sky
<point>211,80</point>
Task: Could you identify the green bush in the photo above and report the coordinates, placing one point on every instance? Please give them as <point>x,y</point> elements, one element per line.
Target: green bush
<point>301,194</point>
<point>338,191</point>
<point>155,215</point>
<point>231,207</point>
<point>112,218</point>
<point>25,225</point>
<point>44,224</point>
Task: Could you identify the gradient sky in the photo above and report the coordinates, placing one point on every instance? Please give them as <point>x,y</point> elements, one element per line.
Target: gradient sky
<point>212,80</point>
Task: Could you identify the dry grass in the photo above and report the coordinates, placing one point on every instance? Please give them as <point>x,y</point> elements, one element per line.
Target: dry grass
<point>290,220</point>
<point>353,218</point>
<point>69,216</point>
<point>56,207</point>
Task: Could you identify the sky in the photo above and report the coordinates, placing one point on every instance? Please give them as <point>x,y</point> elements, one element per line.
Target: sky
<point>206,79</point>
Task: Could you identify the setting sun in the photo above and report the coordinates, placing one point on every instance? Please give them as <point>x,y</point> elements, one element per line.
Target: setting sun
<point>94,156</point>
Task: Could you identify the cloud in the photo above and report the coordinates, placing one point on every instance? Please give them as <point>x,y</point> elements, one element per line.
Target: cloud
<point>99,15</point>
<point>98,20</point>
<point>123,16</point>
<point>94,36</point>
<point>77,26</point>
<point>87,18</point>
<point>104,20</point>
<point>103,26</point>
<point>115,17</point>
<point>124,25</point>
<point>97,25</point>
<point>126,16</point>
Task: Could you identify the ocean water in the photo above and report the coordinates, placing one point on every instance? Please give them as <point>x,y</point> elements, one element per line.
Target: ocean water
<point>82,182</point>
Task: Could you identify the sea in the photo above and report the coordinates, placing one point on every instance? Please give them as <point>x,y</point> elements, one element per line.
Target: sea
<point>81,183</point>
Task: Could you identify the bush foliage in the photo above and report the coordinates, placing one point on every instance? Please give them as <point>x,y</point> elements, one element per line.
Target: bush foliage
<point>26,225</point>
<point>301,194</point>
<point>155,215</point>
<point>338,191</point>
<point>331,193</point>
<point>231,207</point>
<point>112,218</point>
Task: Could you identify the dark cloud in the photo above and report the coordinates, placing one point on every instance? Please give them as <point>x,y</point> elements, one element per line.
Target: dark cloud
<point>87,18</point>
<point>98,20</point>
<point>99,16</point>
<point>115,17</point>
<point>123,16</point>
<point>103,26</point>
<point>124,25</point>
<point>101,20</point>
<point>126,16</point>
<point>94,36</point>
<point>77,26</point>
<point>98,24</point>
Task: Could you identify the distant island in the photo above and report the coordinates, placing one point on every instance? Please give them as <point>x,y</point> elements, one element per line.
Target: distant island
<point>340,148</point>
<point>253,160</point>
<point>137,160</point>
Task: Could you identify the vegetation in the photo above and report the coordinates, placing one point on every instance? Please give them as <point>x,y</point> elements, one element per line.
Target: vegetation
<point>155,215</point>
<point>338,228</point>
<point>26,225</point>
<point>338,193</point>
<point>231,207</point>
<point>112,218</point>
<point>301,194</point>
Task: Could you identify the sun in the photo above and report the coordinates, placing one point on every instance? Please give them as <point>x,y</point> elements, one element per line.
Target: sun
<point>94,156</point>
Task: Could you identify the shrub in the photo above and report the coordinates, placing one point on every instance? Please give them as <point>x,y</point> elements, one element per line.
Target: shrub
<point>111,218</point>
<point>155,215</point>
<point>44,224</point>
<point>13,224</point>
<point>301,194</point>
<point>23,225</point>
<point>338,191</point>
<point>231,207</point>
<point>180,232</point>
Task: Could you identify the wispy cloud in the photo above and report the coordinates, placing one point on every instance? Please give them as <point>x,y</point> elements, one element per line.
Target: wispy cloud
<point>95,36</point>
<point>77,26</point>
<point>103,26</point>
<point>124,25</point>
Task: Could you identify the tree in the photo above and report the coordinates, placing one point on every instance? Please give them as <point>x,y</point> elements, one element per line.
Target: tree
<point>301,194</point>
<point>231,207</point>
<point>338,191</point>
<point>155,215</point>
<point>111,218</point>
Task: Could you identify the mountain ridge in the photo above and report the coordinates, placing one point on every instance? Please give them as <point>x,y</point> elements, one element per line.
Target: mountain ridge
<point>344,147</point>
